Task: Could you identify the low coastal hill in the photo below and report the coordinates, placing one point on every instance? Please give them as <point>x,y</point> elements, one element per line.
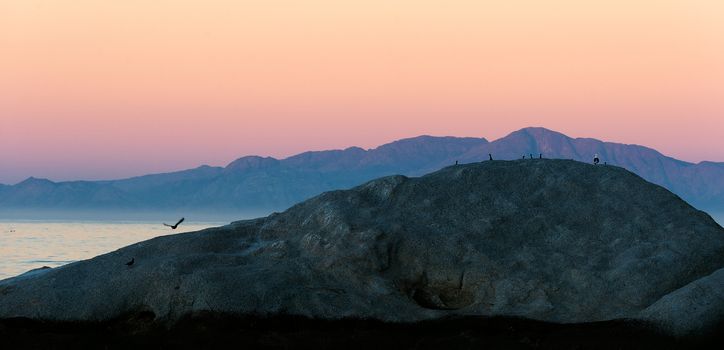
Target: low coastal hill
<point>551,240</point>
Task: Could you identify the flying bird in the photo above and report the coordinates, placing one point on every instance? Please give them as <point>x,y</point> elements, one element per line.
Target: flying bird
<point>131,262</point>
<point>173,227</point>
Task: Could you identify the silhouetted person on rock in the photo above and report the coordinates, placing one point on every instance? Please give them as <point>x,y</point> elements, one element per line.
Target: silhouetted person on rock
<point>456,162</point>
<point>531,155</point>
<point>540,156</point>
<point>595,159</point>
<point>173,227</point>
<point>491,156</point>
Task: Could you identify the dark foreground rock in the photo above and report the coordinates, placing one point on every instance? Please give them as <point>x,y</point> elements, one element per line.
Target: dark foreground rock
<point>551,240</point>
<point>207,330</point>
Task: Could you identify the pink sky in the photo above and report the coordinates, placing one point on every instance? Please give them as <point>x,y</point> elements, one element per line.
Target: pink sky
<point>108,89</point>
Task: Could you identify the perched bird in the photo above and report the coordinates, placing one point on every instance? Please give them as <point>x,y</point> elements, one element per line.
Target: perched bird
<point>173,227</point>
<point>131,262</point>
<point>491,156</point>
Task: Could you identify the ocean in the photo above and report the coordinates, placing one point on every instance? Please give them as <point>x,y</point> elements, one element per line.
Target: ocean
<point>28,244</point>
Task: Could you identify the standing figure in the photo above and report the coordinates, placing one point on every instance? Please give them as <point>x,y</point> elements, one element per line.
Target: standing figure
<point>595,159</point>
<point>491,156</point>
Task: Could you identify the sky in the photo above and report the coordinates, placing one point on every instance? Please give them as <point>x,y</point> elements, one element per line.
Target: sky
<point>100,89</point>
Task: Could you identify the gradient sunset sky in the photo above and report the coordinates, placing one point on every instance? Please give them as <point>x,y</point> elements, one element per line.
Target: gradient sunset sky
<point>95,89</point>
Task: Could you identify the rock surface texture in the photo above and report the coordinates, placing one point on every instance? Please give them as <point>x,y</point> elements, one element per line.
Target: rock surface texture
<point>551,240</point>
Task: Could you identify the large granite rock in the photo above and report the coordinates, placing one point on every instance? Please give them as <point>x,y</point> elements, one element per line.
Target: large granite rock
<point>552,240</point>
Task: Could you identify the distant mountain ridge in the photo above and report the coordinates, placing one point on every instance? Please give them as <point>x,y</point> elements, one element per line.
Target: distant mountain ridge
<point>269,184</point>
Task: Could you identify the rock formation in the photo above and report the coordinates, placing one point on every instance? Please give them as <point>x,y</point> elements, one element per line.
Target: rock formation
<point>551,240</point>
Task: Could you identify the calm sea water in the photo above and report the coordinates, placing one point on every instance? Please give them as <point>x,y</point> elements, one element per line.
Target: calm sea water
<point>26,245</point>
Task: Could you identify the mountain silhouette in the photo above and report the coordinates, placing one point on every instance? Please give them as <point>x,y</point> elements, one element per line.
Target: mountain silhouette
<point>269,184</point>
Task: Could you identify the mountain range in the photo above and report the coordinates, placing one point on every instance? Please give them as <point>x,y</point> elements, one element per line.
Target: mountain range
<point>265,184</point>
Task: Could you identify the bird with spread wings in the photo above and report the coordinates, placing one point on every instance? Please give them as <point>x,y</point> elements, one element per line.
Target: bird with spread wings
<point>173,227</point>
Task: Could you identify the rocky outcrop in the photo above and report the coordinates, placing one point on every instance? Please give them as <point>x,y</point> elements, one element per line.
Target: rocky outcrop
<point>550,240</point>
<point>696,308</point>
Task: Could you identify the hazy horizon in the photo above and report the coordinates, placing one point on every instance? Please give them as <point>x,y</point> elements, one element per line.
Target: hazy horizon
<point>121,176</point>
<point>129,215</point>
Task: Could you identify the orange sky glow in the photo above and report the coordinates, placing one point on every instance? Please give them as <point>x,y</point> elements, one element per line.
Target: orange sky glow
<point>94,89</point>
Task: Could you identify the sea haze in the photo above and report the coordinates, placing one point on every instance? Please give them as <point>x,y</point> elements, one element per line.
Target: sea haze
<point>27,245</point>
<point>719,218</point>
